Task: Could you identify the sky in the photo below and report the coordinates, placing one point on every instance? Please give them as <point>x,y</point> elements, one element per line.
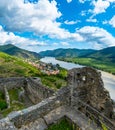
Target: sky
<point>39,25</point>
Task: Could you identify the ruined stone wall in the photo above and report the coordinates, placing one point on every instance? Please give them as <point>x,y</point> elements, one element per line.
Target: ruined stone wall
<point>32,113</point>
<point>36,91</point>
<point>33,87</point>
<point>85,92</point>
<point>10,83</point>
<point>86,84</point>
<point>94,114</point>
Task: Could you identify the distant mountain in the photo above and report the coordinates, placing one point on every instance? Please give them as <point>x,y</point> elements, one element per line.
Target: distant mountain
<point>21,53</point>
<point>67,52</point>
<point>107,54</point>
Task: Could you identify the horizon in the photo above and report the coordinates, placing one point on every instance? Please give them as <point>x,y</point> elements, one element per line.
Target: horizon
<point>57,48</point>
<point>39,25</point>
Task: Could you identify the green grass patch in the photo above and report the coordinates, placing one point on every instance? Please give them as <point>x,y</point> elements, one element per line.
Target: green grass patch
<point>104,126</point>
<point>14,67</point>
<point>61,125</point>
<point>98,64</point>
<point>14,102</point>
<point>53,81</point>
<point>3,104</point>
<point>14,95</point>
<point>14,107</point>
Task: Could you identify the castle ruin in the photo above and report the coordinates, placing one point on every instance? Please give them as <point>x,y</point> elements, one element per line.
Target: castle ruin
<point>83,100</point>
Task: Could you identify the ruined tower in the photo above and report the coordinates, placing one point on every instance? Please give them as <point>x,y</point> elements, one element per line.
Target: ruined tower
<point>87,86</point>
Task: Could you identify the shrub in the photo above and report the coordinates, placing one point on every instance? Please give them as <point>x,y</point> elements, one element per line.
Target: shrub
<point>3,105</point>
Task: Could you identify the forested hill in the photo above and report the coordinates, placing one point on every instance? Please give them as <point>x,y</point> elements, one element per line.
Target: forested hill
<point>66,52</point>
<point>18,52</point>
<point>107,54</point>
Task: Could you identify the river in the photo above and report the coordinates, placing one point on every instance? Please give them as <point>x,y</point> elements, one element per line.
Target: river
<point>108,79</point>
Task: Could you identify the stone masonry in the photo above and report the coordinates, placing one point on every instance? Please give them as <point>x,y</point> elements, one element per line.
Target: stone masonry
<point>84,99</point>
<point>87,86</point>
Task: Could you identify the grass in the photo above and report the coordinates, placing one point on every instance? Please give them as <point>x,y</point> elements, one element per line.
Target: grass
<point>55,81</point>
<point>61,125</point>
<point>14,67</point>
<point>104,127</point>
<point>14,102</point>
<point>11,66</point>
<point>3,104</point>
<point>14,94</point>
<point>102,65</point>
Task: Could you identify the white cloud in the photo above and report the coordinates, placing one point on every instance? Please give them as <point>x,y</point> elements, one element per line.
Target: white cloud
<point>31,44</point>
<point>111,1</point>
<point>71,22</point>
<point>83,13</point>
<point>82,1</point>
<point>112,21</point>
<point>91,20</point>
<point>100,6</point>
<point>55,44</point>
<point>69,1</point>
<point>97,36</point>
<point>105,22</point>
<point>39,18</point>
<point>65,43</point>
<point>11,38</point>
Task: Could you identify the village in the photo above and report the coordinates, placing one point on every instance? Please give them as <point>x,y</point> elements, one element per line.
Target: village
<point>46,68</point>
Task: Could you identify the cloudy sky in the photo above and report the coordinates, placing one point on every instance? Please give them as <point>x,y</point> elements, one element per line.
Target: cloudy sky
<point>38,25</point>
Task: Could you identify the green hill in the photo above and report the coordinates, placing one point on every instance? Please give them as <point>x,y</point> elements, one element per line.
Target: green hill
<point>66,52</point>
<point>102,59</point>
<point>12,66</point>
<point>21,53</point>
<point>107,55</point>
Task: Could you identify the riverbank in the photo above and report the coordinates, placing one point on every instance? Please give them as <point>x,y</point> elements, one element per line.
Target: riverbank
<point>108,79</point>
<point>97,64</point>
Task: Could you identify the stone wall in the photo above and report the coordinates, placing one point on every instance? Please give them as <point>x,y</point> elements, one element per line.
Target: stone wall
<point>32,113</point>
<point>10,83</point>
<point>32,87</point>
<point>86,84</point>
<point>36,91</point>
<point>94,114</point>
<point>85,93</point>
<point>7,96</point>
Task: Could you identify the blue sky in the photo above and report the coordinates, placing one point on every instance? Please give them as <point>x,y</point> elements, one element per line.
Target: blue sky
<point>39,25</point>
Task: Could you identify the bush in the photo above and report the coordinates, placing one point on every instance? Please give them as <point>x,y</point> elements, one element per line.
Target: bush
<point>3,105</point>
